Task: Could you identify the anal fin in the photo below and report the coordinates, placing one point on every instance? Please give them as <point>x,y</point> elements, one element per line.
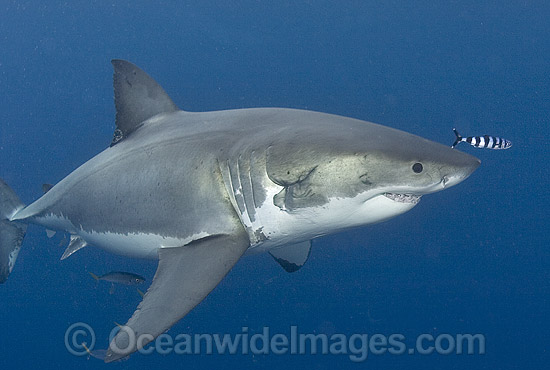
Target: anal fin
<point>293,256</point>
<point>184,277</point>
<point>75,244</point>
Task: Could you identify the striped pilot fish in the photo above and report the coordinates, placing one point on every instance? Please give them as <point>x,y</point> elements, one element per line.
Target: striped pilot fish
<point>485,141</point>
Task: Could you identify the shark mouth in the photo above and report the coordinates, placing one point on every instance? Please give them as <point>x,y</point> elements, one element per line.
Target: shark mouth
<point>403,198</point>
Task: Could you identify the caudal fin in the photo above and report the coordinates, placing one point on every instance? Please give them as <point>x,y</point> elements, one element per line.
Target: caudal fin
<point>11,232</point>
<point>458,138</point>
<point>94,275</point>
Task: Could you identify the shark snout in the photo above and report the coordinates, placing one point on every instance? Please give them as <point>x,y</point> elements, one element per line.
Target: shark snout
<point>455,174</point>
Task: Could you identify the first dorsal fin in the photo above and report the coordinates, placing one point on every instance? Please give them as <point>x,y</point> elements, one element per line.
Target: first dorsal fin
<point>138,97</point>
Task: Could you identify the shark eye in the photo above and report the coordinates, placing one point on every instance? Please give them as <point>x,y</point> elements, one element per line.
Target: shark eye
<point>417,167</point>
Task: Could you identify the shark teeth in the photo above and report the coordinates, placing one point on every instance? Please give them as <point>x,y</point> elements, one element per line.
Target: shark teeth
<point>403,198</point>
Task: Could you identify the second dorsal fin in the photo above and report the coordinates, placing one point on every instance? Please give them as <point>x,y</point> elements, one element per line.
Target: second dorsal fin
<point>138,97</point>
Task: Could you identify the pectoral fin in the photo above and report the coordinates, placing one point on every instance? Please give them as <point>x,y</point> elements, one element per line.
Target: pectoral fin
<point>184,277</point>
<point>292,257</point>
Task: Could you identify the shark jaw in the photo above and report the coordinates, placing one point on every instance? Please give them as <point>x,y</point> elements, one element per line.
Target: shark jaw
<point>403,198</point>
<point>413,196</point>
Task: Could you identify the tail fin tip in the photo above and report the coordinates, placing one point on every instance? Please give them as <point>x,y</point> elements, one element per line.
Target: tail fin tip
<point>458,138</point>
<point>11,232</point>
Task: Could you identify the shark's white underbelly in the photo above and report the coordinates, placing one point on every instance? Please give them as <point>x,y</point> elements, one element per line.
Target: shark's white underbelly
<point>138,245</point>
<point>283,227</point>
<point>130,244</point>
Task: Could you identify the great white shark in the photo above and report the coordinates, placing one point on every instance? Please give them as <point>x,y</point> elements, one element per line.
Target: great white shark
<point>198,190</point>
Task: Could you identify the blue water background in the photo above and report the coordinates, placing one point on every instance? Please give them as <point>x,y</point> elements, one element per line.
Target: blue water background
<point>471,259</point>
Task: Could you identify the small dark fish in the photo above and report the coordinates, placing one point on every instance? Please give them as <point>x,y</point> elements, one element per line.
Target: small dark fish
<point>96,353</point>
<point>100,354</point>
<point>485,141</point>
<point>120,277</point>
